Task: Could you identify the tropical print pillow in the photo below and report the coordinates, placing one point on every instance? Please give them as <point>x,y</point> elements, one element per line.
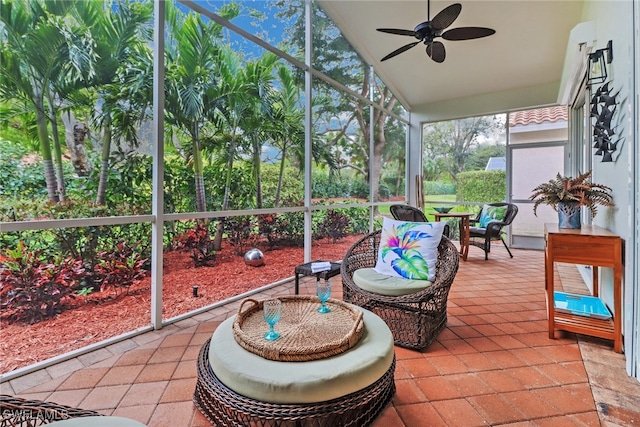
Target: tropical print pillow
<point>491,213</point>
<point>409,249</point>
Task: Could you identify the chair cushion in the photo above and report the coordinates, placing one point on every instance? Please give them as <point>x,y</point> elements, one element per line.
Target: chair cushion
<point>491,213</point>
<point>370,280</point>
<point>409,249</point>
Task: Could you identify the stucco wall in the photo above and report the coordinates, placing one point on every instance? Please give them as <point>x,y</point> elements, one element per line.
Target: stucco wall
<point>614,22</point>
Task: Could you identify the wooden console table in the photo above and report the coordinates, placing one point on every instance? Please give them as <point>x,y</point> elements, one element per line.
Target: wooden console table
<point>590,245</point>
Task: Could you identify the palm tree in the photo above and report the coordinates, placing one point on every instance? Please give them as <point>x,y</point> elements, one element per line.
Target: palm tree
<point>255,123</point>
<point>286,131</point>
<point>46,47</point>
<point>123,78</point>
<point>246,93</point>
<point>194,59</point>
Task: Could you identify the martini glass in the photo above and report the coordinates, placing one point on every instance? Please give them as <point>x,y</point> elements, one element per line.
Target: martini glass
<point>323,290</point>
<point>272,310</point>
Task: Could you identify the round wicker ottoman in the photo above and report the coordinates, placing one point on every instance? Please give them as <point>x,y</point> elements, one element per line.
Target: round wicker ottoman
<point>224,406</point>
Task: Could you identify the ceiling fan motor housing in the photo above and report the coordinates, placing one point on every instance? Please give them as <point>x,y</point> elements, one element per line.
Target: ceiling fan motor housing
<point>424,32</point>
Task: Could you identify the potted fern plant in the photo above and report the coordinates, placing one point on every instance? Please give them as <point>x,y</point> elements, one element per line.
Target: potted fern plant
<point>566,195</point>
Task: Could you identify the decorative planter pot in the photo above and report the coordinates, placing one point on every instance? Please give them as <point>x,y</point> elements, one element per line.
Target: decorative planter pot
<point>569,215</point>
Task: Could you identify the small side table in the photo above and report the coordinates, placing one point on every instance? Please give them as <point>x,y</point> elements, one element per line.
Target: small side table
<point>305,270</point>
<point>588,245</point>
<point>464,229</point>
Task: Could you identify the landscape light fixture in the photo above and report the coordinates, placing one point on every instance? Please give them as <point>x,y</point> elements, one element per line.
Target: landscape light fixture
<point>597,65</point>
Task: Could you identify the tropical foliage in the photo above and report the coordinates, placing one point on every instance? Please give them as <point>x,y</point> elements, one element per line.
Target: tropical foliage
<point>225,108</point>
<point>76,86</point>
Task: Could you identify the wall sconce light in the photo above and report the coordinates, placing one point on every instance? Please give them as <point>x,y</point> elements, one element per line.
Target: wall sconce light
<point>597,65</point>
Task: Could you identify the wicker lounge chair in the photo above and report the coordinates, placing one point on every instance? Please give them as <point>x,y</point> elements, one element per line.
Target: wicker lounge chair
<point>415,319</point>
<point>18,412</point>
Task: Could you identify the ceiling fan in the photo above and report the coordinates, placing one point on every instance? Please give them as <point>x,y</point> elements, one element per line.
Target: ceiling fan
<point>427,31</point>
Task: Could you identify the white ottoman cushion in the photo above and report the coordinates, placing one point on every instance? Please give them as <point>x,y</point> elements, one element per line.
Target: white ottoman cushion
<point>302,382</point>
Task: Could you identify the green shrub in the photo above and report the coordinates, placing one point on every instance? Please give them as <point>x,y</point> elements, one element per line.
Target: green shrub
<point>326,186</point>
<point>128,183</point>
<point>359,220</point>
<point>22,209</point>
<point>82,243</point>
<point>292,190</point>
<point>358,189</point>
<point>179,189</point>
<point>392,185</point>
<point>482,186</point>
<point>242,193</point>
<point>20,178</point>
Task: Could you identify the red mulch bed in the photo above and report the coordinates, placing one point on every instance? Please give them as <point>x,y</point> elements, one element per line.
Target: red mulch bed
<point>100,315</point>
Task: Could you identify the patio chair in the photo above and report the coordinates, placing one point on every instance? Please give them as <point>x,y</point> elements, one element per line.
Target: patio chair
<point>414,319</point>
<point>407,213</point>
<point>489,224</point>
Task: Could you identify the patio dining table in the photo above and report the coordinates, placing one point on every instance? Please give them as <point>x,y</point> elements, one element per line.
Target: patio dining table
<point>464,229</point>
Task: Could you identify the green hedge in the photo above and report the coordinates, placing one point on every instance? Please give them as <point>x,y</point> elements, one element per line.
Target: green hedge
<point>482,186</point>
<point>437,187</point>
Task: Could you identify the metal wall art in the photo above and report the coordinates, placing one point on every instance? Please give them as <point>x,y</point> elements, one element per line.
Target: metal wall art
<point>603,109</point>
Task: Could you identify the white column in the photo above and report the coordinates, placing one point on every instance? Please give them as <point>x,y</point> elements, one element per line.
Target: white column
<point>158,164</point>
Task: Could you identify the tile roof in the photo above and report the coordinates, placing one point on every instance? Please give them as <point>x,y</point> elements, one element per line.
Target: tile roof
<point>540,115</point>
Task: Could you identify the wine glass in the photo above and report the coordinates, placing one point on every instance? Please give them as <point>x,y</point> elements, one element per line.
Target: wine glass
<point>272,310</point>
<point>323,290</point>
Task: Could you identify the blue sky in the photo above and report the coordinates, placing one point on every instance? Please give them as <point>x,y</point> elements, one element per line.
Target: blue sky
<point>257,18</point>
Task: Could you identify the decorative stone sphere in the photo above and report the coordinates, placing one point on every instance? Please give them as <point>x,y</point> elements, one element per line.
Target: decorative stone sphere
<point>254,257</point>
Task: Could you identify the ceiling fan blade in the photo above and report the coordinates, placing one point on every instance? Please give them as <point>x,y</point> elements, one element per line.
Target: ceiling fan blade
<point>397,31</point>
<point>446,16</point>
<point>399,51</point>
<point>467,33</point>
<point>436,51</point>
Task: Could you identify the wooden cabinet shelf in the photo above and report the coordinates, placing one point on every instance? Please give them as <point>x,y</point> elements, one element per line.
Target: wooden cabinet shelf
<point>590,245</point>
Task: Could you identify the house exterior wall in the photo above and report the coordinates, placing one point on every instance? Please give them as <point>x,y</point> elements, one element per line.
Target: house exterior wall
<point>615,21</point>
<point>533,162</point>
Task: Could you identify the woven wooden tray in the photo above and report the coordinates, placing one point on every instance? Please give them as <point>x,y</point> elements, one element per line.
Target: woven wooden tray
<point>305,334</point>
